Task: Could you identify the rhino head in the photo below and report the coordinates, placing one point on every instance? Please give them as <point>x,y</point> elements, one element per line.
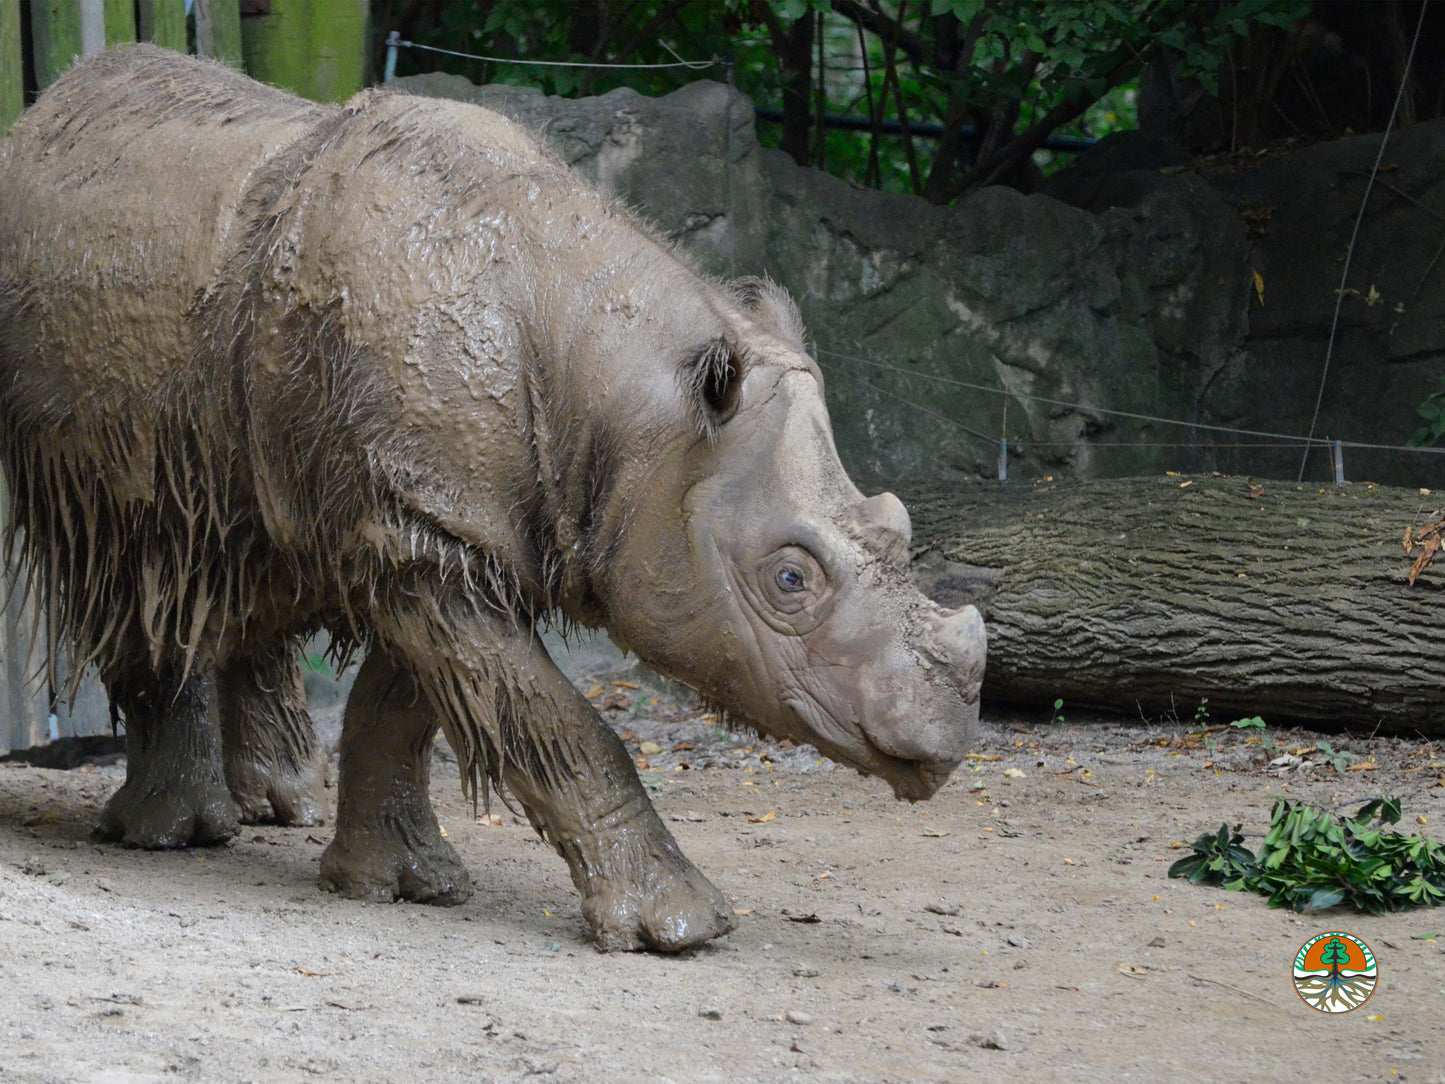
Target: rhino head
<point>782,593</point>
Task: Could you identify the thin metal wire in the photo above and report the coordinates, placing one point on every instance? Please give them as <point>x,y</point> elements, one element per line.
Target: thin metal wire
<point>1285,438</point>
<point>990,441</point>
<point>692,65</point>
<point>1360,218</point>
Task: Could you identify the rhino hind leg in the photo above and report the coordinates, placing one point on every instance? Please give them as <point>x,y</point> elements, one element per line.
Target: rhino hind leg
<point>273,759</point>
<point>175,792</point>
<point>639,891</point>
<point>388,845</point>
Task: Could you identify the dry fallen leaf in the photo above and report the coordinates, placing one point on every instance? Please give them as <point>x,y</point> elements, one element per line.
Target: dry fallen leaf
<point>933,833</point>
<point>627,685</point>
<point>1132,970</point>
<point>1363,766</point>
<point>649,748</point>
<point>594,692</point>
<point>769,815</point>
<point>1258,286</point>
<point>1429,539</point>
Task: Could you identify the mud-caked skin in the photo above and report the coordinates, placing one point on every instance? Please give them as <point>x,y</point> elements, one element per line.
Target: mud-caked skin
<point>391,369</point>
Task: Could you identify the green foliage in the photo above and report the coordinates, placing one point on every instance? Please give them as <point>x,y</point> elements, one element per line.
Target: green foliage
<point>1058,719</point>
<point>1312,859</point>
<point>1432,410</point>
<point>1010,72</point>
<point>1201,713</point>
<point>1254,722</point>
<point>1339,759</point>
<point>1219,858</point>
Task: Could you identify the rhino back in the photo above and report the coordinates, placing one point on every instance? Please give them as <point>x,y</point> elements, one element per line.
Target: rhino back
<point>119,193</point>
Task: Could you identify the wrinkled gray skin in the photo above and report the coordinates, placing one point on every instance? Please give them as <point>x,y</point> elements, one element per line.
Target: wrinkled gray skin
<point>393,370</point>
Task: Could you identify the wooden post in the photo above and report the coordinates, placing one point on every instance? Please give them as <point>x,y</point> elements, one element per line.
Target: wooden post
<point>23,703</point>
<point>218,30</point>
<point>12,77</point>
<point>55,37</point>
<point>315,48</point>
<point>163,22</point>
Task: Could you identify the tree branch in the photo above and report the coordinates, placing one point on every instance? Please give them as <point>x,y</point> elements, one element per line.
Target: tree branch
<point>888,29</point>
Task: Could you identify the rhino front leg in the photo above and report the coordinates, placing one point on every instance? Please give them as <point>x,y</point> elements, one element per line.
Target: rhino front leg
<point>175,791</point>
<point>272,756</point>
<point>580,790</point>
<point>388,845</point>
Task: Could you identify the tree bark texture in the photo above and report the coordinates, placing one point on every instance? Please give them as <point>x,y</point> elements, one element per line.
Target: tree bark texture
<point>1149,595</point>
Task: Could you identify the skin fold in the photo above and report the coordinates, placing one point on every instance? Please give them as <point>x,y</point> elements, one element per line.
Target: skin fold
<point>393,370</point>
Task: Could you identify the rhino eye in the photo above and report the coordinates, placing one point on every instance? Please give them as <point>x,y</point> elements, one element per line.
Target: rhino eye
<point>791,579</point>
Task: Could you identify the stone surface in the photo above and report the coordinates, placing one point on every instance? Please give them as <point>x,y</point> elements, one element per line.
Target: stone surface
<point>1139,300</point>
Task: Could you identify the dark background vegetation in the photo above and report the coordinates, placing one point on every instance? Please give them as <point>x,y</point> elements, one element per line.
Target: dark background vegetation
<point>939,97</point>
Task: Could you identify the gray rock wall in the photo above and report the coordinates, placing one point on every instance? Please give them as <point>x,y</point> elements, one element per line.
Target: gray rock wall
<point>941,330</point>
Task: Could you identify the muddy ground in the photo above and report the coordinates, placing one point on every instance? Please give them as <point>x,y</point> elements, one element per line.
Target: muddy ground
<point>1018,927</point>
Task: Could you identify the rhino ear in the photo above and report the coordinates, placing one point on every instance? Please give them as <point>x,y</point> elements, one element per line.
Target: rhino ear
<point>772,307</point>
<point>712,378</point>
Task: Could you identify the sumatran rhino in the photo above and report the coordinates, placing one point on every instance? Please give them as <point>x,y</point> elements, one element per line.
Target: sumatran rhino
<point>393,370</point>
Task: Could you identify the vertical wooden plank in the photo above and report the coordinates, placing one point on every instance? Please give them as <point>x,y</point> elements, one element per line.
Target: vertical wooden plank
<point>218,30</point>
<point>23,701</point>
<point>163,22</point>
<point>315,48</point>
<point>55,37</point>
<point>12,68</point>
<point>119,21</point>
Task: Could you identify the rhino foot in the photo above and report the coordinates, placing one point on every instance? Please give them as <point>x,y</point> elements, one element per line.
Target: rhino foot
<point>175,792</point>
<point>160,813</point>
<point>272,755</point>
<point>671,908</point>
<point>390,861</point>
<point>276,794</point>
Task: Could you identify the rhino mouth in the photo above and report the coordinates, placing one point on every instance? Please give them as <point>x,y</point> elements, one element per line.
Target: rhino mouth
<point>912,779</point>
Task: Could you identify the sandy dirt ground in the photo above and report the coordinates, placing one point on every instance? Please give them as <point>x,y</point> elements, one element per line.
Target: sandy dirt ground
<point>1018,927</point>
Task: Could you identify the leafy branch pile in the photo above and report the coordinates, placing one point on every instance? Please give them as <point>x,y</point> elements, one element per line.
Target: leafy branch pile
<point>1314,859</point>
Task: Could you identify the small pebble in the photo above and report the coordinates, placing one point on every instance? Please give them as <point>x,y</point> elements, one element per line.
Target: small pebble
<point>805,971</point>
<point>802,1019</point>
<point>710,1013</point>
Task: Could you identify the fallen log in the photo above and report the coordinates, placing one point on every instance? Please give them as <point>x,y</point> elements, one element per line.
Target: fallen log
<point>1153,594</point>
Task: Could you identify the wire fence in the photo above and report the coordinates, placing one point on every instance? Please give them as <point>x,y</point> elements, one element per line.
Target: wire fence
<point>1264,439</point>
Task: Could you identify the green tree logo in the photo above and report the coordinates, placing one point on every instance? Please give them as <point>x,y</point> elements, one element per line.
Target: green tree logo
<point>1335,972</point>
